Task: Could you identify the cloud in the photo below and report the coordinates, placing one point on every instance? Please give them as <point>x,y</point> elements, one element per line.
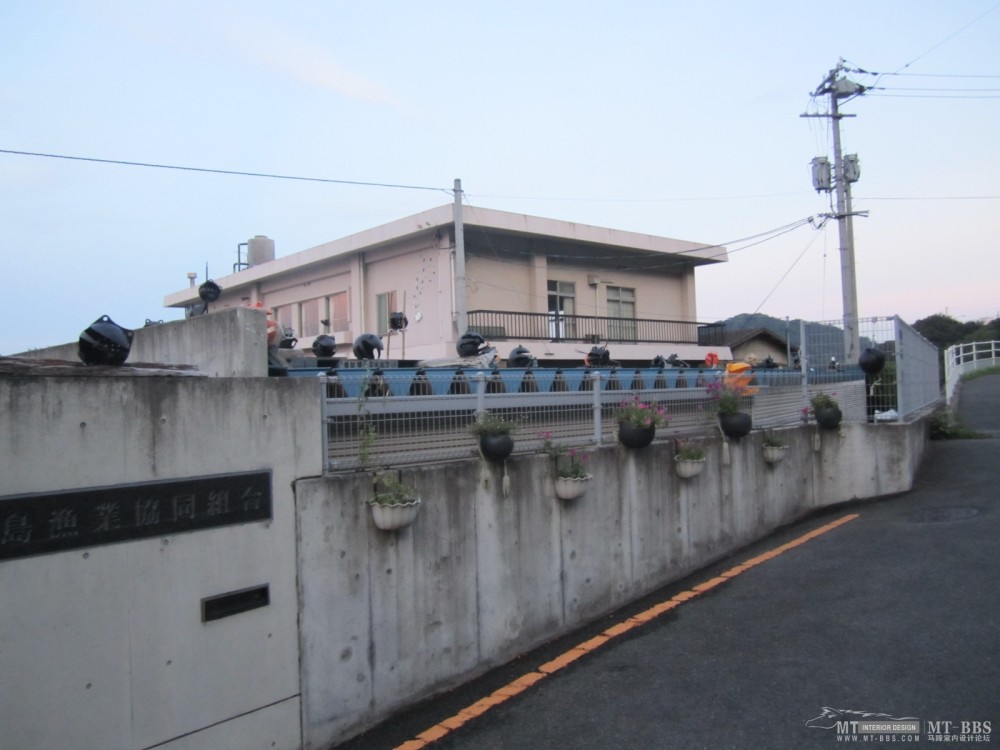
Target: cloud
<point>292,54</point>
<point>229,31</point>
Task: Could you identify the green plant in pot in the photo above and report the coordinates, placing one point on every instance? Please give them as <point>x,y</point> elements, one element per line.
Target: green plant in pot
<point>494,433</point>
<point>637,422</point>
<point>825,410</point>
<point>571,476</point>
<point>689,458</point>
<point>734,422</point>
<point>774,447</point>
<point>395,504</point>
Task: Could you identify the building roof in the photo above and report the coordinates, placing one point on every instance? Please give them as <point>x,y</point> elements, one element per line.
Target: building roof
<point>504,222</point>
<point>742,336</point>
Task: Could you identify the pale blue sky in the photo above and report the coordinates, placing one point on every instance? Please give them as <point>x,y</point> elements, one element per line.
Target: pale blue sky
<point>675,119</point>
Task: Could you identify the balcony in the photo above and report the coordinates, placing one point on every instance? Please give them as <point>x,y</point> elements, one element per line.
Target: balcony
<point>495,325</point>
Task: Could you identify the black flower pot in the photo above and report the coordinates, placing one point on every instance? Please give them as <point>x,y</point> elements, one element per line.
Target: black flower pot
<point>635,437</point>
<point>736,425</point>
<point>496,447</point>
<point>829,417</point>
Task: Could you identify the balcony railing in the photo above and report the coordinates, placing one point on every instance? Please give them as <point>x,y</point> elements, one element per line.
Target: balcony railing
<point>589,329</point>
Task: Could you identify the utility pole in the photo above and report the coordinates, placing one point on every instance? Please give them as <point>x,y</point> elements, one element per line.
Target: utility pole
<point>461,303</point>
<point>845,171</point>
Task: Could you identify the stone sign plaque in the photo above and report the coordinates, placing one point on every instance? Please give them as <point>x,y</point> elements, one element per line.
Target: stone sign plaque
<point>56,521</point>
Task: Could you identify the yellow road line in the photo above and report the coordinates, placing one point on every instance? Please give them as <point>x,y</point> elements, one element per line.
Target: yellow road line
<point>528,679</point>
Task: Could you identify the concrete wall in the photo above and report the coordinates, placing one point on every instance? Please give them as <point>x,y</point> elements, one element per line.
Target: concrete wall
<point>228,343</point>
<point>390,618</point>
<point>104,646</point>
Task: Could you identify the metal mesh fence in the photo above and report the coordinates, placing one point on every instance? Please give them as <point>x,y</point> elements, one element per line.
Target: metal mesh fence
<point>918,371</point>
<point>369,426</point>
<point>396,416</point>
<point>908,382</point>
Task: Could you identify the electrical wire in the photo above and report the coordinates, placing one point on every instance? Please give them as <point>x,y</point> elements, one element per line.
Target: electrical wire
<point>788,271</point>
<point>926,52</point>
<point>238,173</point>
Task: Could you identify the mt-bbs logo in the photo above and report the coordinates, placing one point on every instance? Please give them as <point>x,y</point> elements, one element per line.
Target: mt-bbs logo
<point>958,727</point>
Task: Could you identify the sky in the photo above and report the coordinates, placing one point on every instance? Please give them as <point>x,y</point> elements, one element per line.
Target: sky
<point>675,119</point>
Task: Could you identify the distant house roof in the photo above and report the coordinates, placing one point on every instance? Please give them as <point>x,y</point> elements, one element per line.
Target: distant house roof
<point>739,337</point>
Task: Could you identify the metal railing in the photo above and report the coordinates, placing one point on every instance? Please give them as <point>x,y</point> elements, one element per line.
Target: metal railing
<point>909,382</point>
<point>369,427</point>
<point>497,324</point>
<point>961,359</point>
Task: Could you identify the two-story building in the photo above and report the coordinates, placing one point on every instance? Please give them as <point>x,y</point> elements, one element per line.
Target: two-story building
<point>557,288</point>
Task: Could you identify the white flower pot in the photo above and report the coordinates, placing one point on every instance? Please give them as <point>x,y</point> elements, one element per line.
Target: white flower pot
<point>774,453</point>
<point>687,467</point>
<point>395,516</point>
<point>570,488</point>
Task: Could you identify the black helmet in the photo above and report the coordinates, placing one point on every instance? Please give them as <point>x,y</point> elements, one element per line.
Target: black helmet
<point>519,357</point>
<point>871,361</point>
<point>209,291</point>
<point>105,343</point>
<point>398,321</point>
<point>325,345</point>
<point>598,355</point>
<point>288,340</point>
<point>470,344</point>
<point>366,345</point>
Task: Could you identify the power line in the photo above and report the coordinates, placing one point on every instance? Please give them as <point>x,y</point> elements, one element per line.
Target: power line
<point>935,75</point>
<point>327,180</point>
<point>634,200</point>
<point>237,173</point>
<point>934,198</point>
<point>878,95</point>
<point>974,21</point>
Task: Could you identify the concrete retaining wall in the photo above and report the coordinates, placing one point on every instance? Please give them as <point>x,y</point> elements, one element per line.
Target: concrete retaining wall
<point>389,618</point>
<point>228,343</point>
<point>105,646</point>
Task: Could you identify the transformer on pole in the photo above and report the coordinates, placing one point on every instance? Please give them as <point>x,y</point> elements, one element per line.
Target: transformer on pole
<point>846,170</point>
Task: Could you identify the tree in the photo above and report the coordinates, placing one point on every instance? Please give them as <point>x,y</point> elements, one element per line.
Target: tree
<point>942,330</point>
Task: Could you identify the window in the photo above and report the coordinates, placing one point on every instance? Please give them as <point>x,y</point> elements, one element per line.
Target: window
<point>562,308</point>
<point>339,318</point>
<point>385,304</point>
<point>285,315</point>
<point>311,310</point>
<point>621,307</point>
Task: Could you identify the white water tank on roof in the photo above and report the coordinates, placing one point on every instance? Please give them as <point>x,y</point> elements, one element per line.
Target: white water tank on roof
<point>260,249</point>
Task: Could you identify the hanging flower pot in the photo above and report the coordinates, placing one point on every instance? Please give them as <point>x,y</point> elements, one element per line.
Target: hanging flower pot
<point>736,425</point>
<point>688,467</point>
<point>632,436</point>
<point>828,417</point>
<point>496,447</point>
<point>637,422</point>
<point>570,488</point>
<point>826,411</point>
<point>392,516</point>
<point>774,454</point>
<point>395,504</point>
<point>494,433</point>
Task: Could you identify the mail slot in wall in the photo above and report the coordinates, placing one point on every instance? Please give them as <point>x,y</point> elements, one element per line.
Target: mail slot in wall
<point>234,602</point>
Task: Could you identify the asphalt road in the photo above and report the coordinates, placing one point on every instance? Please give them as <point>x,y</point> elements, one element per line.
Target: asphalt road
<point>895,612</point>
